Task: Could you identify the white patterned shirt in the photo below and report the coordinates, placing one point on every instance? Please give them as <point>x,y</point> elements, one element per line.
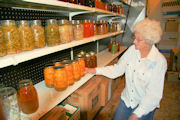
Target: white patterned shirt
<point>144,78</point>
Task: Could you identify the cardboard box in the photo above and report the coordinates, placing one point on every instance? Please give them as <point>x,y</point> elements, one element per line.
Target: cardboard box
<point>87,98</point>
<point>105,91</point>
<point>173,76</point>
<point>57,113</point>
<point>174,64</point>
<point>171,26</point>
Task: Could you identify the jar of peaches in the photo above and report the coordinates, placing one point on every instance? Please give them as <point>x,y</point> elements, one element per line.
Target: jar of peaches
<point>49,75</point>
<point>76,70</point>
<point>69,71</point>
<point>81,64</point>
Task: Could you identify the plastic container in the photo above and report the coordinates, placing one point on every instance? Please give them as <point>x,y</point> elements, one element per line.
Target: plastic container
<point>11,36</point>
<point>60,78</point>
<point>52,33</point>
<point>27,97</point>
<point>26,35</point>
<point>38,32</point>
<point>49,75</point>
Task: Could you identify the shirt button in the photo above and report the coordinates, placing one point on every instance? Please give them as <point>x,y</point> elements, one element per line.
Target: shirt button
<point>132,90</point>
<point>134,71</point>
<point>139,60</point>
<point>131,100</point>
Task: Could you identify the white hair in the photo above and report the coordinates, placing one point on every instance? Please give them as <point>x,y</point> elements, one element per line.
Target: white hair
<point>149,29</point>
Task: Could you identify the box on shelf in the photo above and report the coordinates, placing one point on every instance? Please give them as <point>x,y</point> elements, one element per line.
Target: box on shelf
<point>173,76</point>
<point>171,26</point>
<point>174,60</point>
<point>57,113</point>
<point>72,112</point>
<point>105,91</point>
<point>87,99</point>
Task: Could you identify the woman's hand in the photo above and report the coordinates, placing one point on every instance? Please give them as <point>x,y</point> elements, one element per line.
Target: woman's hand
<point>133,117</point>
<point>90,70</point>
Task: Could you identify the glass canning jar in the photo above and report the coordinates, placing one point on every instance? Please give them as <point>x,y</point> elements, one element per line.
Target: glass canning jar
<point>95,27</point>
<point>100,27</point>
<point>8,96</point>
<point>76,70</point>
<point>93,59</point>
<point>86,28</point>
<point>111,27</point>
<point>49,75</point>
<point>11,37</point>
<point>83,54</point>
<point>91,28</point>
<point>26,35</point>
<point>81,2</point>
<point>3,51</point>
<point>52,33</point>
<point>27,97</point>
<point>38,32</point>
<point>57,63</point>
<point>78,30</point>
<point>60,78</point>
<point>81,64</point>
<point>64,31</point>
<point>87,60</point>
<point>69,71</point>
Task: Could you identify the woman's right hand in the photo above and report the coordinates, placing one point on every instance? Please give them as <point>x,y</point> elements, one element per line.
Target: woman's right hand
<point>90,70</point>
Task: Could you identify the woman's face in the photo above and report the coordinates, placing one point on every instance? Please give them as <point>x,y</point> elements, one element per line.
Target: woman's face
<point>139,42</point>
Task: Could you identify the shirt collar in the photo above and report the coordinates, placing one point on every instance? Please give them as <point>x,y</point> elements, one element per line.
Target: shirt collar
<point>153,53</point>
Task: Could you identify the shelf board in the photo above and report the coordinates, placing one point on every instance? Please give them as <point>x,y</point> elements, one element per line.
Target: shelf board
<point>49,97</point>
<point>29,55</point>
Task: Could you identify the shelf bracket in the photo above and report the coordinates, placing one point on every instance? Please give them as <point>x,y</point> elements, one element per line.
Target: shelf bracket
<point>72,14</point>
<point>101,16</point>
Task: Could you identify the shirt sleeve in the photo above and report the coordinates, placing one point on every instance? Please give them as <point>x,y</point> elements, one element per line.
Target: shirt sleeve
<point>154,91</point>
<point>115,70</point>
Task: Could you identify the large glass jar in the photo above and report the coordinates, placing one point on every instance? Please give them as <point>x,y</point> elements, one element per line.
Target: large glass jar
<point>112,27</point>
<point>78,30</point>
<point>26,35</point>
<point>11,36</point>
<point>100,27</point>
<point>114,48</point>
<point>86,28</point>
<point>91,28</point>
<point>64,30</point>
<point>95,27</point>
<point>2,44</point>
<point>52,33</point>
<point>8,97</point>
<point>49,75</point>
<point>87,61</point>
<point>82,65</point>
<point>76,70</point>
<point>27,97</point>
<point>93,59</point>
<point>60,78</point>
<point>69,71</point>
<point>38,32</point>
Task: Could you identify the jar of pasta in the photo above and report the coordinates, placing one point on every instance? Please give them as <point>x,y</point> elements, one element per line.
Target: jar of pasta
<point>27,96</point>
<point>76,70</point>
<point>26,35</point>
<point>60,78</point>
<point>2,44</point>
<point>49,75</point>
<point>82,65</point>
<point>69,72</point>
<point>11,37</point>
<point>86,28</point>
<point>71,32</point>
<point>64,31</point>
<point>52,33</point>
<point>38,32</point>
<point>78,30</point>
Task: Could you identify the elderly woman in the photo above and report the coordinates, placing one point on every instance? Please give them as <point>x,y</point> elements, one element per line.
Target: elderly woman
<point>144,67</point>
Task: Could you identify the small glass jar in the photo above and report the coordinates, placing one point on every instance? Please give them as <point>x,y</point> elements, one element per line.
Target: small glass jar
<point>93,59</point>
<point>112,27</point>
<point>91,28</point>
<point>69,71</point>
<point>27,97</point>
<point>26,35</point>
<point>11,37</point>
<point>114,48</point>
<point>8,97</point>
<point>82,65</point>
<point>118,27</point>
<point>64,31</point>
<point>49,75</point>
<point>87,60</point>
<point>3,51</point>
<point>95,27</point>
<point>86,28</point>
<point>57,63</point>
<point>60,78</point>
<point>52,33</point>
<point>78,30</point>
<point>100,27</point>
<point>76,70</point>
<point>38,32</point>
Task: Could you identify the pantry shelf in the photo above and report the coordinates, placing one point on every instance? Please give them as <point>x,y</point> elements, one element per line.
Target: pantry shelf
<point>49,97</point>
<point>29,55</point>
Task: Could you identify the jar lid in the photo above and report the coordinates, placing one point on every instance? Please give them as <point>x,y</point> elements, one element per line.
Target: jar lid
<point>25,82</point>
<point>58,67</point>
<point>73,61</point>
<point>78,22</point>
<point>55,61</point>
<point>79,55</point>
<point>23,22</point>
<point>50,21</point>
<point>49,65</point>
<point>87,55</point>
<point>66,63</point>
<point>73,22</point>
<point>82,53</point>
<point>63,21</point>
<point>92,53</point>
<point>66,60</point>
<point>8,22</point>
<point>36,22</point>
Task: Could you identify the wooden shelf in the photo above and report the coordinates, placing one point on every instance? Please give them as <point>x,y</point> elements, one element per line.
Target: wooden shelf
<point>29,55</point>
<point>49,97</point>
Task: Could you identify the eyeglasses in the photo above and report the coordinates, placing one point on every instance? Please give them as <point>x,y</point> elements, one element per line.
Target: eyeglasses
<point>134,38</point>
